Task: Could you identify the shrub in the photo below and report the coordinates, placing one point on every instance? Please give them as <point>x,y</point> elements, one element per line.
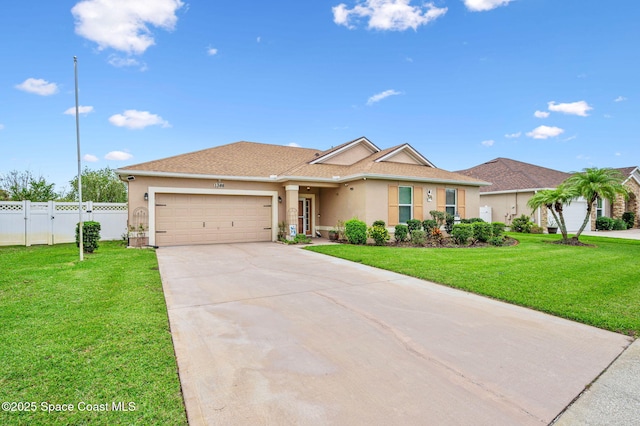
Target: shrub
<point>471,220</point>
<point>535,229</point>
<point>629,218</point>
<point>522,224</point>
<point>496,241</point>
<point>301,238</point>
<point>356,231</point>
<point>482,231</point>
<point>90,236</point>
<point>379,234</point>
<point>439,217</point>
<point>497,229</point>
<point>461,233</point>
<point>379,223</point>
<point>619,225</point>
<point>414,225</point>
<point>418,237</point>
<point>401,233</point>
<point>436,235</point>
<point>429,224</point>
<point>604,223</point>
<point>449,222</point>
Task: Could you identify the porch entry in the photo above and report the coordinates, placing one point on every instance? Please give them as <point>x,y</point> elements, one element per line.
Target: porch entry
<point>304,216</point>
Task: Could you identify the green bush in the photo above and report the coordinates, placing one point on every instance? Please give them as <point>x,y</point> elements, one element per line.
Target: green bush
<point>461,233</point>
<point>629,218</point>
<point>356,231</point>
<point>619,225</point>
<point>448,223</point>
<point>379,223</point>
<point>471,220</point>
<point>438,216</point>
<point>429,225</point>
<point>604,223</point>
<point>497,229</point>
<point>482,231</point>
<point>90,236</point>
<point>418,237</point>
<point>496,241</point>
<point>522,224</point>
<point>535,229</point>
<point>301,238</point>
<point>414,225</point>
<point>379,234</point>
<point>401,233</point>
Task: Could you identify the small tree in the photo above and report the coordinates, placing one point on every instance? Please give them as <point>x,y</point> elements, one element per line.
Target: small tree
<point>594,183</point>
<point>101,186</point>
<point>554,200</point>
<point>18,186</point>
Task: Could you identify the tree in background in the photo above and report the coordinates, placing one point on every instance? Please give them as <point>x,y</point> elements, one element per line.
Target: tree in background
<point>99,186</point>
<point>18,186</point>
<point>554,200</point>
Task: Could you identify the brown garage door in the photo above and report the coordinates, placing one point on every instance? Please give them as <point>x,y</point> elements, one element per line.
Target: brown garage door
<point>183,219</point>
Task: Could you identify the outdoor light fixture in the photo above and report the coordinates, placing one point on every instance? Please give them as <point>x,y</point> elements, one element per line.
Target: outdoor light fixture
<point>146,196</point>
<point>279,199</point>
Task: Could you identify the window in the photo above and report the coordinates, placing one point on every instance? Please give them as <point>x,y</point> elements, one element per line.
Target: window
<point>451,198</point>
<point>405,203</point>
<point>599,208</point>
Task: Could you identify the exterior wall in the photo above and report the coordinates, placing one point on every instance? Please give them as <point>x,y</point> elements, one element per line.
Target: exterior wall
<point>402,157</point>
<point>506,207</point>
<point>621,205</point>
<point>342,203</point>
<point>350,156</point>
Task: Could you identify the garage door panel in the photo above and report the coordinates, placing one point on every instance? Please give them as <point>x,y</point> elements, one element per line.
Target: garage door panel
<point>226,218</point>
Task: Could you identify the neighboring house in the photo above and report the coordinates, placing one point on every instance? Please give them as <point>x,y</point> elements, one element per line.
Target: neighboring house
<point>246,191</point>
<point>620,204</point>
<point>513,185</point>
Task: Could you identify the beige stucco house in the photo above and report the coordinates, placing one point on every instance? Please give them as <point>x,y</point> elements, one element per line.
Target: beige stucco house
<point>244,191</point>
<point>630,204</point>
<point>513,183</point>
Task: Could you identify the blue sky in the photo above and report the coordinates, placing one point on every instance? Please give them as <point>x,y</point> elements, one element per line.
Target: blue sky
<point>550,82</point>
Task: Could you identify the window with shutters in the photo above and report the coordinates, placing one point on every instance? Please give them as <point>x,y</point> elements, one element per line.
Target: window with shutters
<point>451,199</point>
<point>405,203</point>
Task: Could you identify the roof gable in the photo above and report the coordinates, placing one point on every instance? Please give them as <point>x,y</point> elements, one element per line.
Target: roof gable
<point>630,173</point>
<point>348,153</point>
<point>405,154</point>
<point>510,175</point>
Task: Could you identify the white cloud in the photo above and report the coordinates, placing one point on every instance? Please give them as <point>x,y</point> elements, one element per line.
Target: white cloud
<point>545,132</point>
<point>394,15</point>
<point>124,24</point>
<point>133,119</point>
<point>618,154</point>
<point>541,114</point>
<point>90,158</point>
<point>573,108</point>
<point>620,99</point>
<point>38,86</point>
<point>608,116</point>
<point>293,144</point>
<point>81,109</point>
<point>570,138</point>
<point>490,142</point>
<point>484,5</point>
<point>212,51</point>
<point>120,62</point>
<point>513,135</point>
<point>380,96</point>
<point>118,156</point>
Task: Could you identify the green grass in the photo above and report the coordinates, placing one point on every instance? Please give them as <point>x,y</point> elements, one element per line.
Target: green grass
<point>93,332</point>
<point>597,285</point>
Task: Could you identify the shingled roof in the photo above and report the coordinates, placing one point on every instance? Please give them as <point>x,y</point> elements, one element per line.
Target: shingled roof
<point>511,175</point>
<point>262,161</point>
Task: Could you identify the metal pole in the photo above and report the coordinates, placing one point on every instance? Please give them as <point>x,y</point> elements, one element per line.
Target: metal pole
<point>80,223</point>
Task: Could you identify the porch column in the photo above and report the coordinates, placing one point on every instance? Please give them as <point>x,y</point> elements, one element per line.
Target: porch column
<point>291,205</point>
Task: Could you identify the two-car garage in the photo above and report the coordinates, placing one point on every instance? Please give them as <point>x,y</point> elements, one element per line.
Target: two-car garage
<point>186,218</point>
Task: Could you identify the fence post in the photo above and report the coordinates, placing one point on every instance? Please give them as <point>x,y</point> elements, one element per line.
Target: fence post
<point>51,209</point>
<point>27,222</point>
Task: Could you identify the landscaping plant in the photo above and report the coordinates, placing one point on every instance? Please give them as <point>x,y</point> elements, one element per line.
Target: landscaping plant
<point>90,236</point>
<point>356,231</point>
<point>401,233</point>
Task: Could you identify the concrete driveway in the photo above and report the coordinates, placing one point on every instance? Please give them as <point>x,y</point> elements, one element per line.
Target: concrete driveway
<point>271,334</point>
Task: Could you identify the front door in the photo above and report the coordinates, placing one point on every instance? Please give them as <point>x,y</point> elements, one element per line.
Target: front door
<point>304,216</point>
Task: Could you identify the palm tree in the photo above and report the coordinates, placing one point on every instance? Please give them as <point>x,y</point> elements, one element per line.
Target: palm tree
<point>594,183</point>
<point>554,200</point>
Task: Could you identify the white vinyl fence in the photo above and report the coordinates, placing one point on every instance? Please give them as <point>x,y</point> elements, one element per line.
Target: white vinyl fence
<point>26,223</point>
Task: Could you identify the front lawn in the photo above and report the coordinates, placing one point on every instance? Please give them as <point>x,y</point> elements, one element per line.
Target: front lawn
<point>597,285</point>
<point>88,340</point>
